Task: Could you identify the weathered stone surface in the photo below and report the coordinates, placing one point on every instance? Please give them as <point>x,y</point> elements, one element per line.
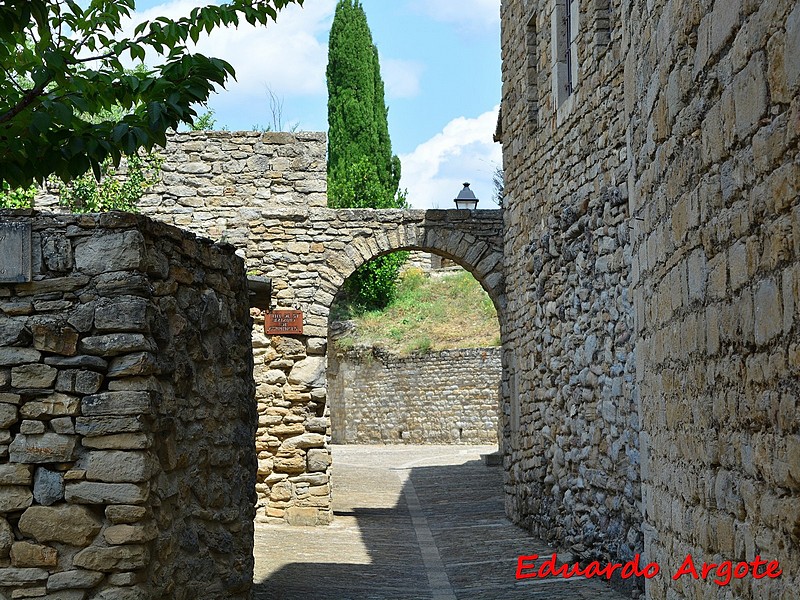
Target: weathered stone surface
<point>122,593</point>
<point>6,538</point>
<point>130,534</point>
<point>10,576</point>
<point>125,313</point>
<point>51,337</point>
<point>32,427</point>
<point>8,415</point>
<point>112,344</point>
<point>116,467</point>
<point>44,448</point>
<point>104,426</point>
<point>131,365</point>
<point>117,558</point>
<point>63,425</point>
<point>309,372</point>
<point>83,362</point>
<point>54,405</point>
<point>307,440</point>
<point>18,356</point>
<point>117,403</point>
<point>318,461</point>
<point>124,250</point>
<point>122,513</point>
<point>65,523</point>
<point>91,492</point>
<point>15,474</point>
<point>11,331</point>
<point>33,376</point>
<point>78,381</point>
<point>48,486</point>
<point>75,579</point>
<point>13,498</point>
<point>120,441</point>
<point>26,554</point>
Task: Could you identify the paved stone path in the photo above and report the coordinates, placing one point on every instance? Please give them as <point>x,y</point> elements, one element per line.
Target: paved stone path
<point>412,523</point>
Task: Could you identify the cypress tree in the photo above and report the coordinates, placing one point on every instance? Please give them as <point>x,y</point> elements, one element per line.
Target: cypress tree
<point>362,172</point>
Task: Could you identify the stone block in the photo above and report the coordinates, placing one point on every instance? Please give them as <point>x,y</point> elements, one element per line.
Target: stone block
<point>79,382</point>
<point>318,460</point>
<point>309,372</point>
<point>11,331</point>
<point>15,474</point>
<point>92,492</point>
<point>64,523</point>
<point>113,344</point>
<point>115,558</point>
<point>18,356</point>
<point>750,96</point>
<point>51,337</point>
<point>306,440</point>
<point>125,313</point>
<point>6,538</point>
<point>48,486</point>
<point>122,513</point>
<point>44,448</point>
<point>791,48</point>
<point>101,426</point>
<point>130,534</point>
<point>11,576</point>
<point>125,250</point>
<point>117,403</point>
<point>123,593</point>
<point>31,427</point>
<point>117,467</point>
<point>63,425</point>
<point>26,554</point>
<point>120,441</point>
<point>33,376</point>
<point>768,312</point>
<point>75,579</point>
<point>78,362</point>
<point>54,405</point>
<point>14,498</point>
<point>304,516</point>
<point>139,364</point>
<point>8,415</point>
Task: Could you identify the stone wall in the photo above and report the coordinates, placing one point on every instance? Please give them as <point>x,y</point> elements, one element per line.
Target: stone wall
<point>445,397</point>
<point>713,98</point>
<point>127,408</point>
<point>572,423</point>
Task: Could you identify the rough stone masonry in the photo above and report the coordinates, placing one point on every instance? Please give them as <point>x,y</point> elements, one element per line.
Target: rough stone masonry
<point>652,254</point>
<point>127,415</point>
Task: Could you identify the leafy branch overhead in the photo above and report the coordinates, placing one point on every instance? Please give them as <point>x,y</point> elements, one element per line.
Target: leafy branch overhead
<point>62,60</point>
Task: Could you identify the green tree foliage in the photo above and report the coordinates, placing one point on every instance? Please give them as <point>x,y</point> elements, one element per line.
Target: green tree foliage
<point>61,60</point>
<point>362,171</point>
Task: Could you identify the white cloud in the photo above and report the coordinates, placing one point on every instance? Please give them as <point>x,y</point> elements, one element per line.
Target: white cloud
<point>401,77</point>
<point>462,151</point>
<point>475,15</point>
<point>287,54</point>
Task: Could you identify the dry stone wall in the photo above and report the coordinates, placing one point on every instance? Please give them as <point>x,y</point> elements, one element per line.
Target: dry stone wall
<point>571,435</point>
<point>445,397</point>
<point>713,94</point>
<point>127,466</point>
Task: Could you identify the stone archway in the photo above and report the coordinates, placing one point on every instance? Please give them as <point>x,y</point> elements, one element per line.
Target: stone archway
<point>309,262</point>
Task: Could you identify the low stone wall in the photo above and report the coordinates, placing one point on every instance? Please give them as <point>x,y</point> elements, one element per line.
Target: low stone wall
<point>446,397</point>
<point>126,415</point>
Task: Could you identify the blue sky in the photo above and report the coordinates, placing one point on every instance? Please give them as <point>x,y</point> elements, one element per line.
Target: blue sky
<point>440,61</point>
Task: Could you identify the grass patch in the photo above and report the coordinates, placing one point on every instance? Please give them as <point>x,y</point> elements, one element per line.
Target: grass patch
<point>429,313</point>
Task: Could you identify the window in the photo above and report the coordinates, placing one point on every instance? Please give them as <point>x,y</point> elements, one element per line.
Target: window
<point>564,31</point>
<point>532,72</point>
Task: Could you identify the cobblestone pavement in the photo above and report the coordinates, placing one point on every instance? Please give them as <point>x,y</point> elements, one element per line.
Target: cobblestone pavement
<point>412,522</point>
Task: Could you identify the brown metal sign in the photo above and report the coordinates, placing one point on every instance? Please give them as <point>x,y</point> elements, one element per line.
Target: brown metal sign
<point>283,322</point>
